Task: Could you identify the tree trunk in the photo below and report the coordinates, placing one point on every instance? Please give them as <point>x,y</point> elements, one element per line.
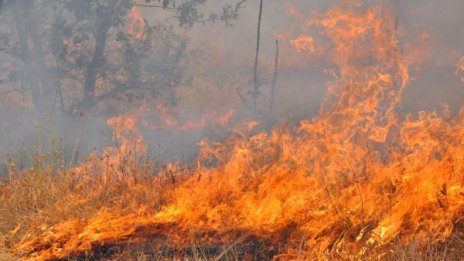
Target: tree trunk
<point>104,24</point>
<point>34,70</point>
<point>256,91</point>
<point>43,73</point>
<point>274,83</point>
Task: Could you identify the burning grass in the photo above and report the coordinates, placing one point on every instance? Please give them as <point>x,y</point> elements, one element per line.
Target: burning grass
<point>268,211</point>
<point>358,181</point>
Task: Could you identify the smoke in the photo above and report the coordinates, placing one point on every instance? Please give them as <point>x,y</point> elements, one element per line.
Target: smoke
<point>215,65</point>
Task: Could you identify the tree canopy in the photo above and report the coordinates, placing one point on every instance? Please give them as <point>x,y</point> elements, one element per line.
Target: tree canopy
<point>76,54</point>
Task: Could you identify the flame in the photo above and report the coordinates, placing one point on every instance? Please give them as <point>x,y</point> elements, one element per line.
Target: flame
<point>460,68</point>
<point>169,120</point>
<point>127,133</point>
<point>72,45</point>
<point>297,38</point>
<point>136,24</point>
<point>353,179</point>
<point>304,43</point>
<point>295,13</point>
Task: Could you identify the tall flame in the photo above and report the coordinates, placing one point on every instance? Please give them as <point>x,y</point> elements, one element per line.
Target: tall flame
<point>353,179</point>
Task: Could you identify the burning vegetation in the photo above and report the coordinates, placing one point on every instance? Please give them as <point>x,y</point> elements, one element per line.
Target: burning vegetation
<point>361,179</point>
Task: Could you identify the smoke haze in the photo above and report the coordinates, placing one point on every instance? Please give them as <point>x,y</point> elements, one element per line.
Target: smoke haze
<point>218,64</point>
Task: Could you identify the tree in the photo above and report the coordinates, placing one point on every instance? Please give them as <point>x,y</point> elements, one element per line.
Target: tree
<point>25,45</point>
<point>85,44</point>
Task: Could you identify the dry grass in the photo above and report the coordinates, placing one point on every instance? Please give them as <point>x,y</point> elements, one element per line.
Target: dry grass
<point>5,255</point>
<point>46,193</point>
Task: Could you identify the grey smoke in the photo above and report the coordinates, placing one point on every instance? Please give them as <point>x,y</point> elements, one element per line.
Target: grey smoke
<point>299,89</point>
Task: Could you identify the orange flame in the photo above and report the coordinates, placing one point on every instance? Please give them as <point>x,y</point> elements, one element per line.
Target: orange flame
<point>304,43</point>
<point>136,26</point>
<point>169,121</point>
<point>460,68</point>
<point>351,180</point>
<point>126,132</point>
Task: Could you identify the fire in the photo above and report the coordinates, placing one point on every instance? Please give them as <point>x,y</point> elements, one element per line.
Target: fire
<point>126,132</point>
<point>168,120</point>
<point>304,43</point>
<point>295,13</point>
<point>342,185</point>
<point>137,24</point>
<point>460,68</point>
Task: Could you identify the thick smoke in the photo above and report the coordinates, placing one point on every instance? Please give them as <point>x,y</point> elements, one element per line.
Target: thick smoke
<point>218,61</point>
